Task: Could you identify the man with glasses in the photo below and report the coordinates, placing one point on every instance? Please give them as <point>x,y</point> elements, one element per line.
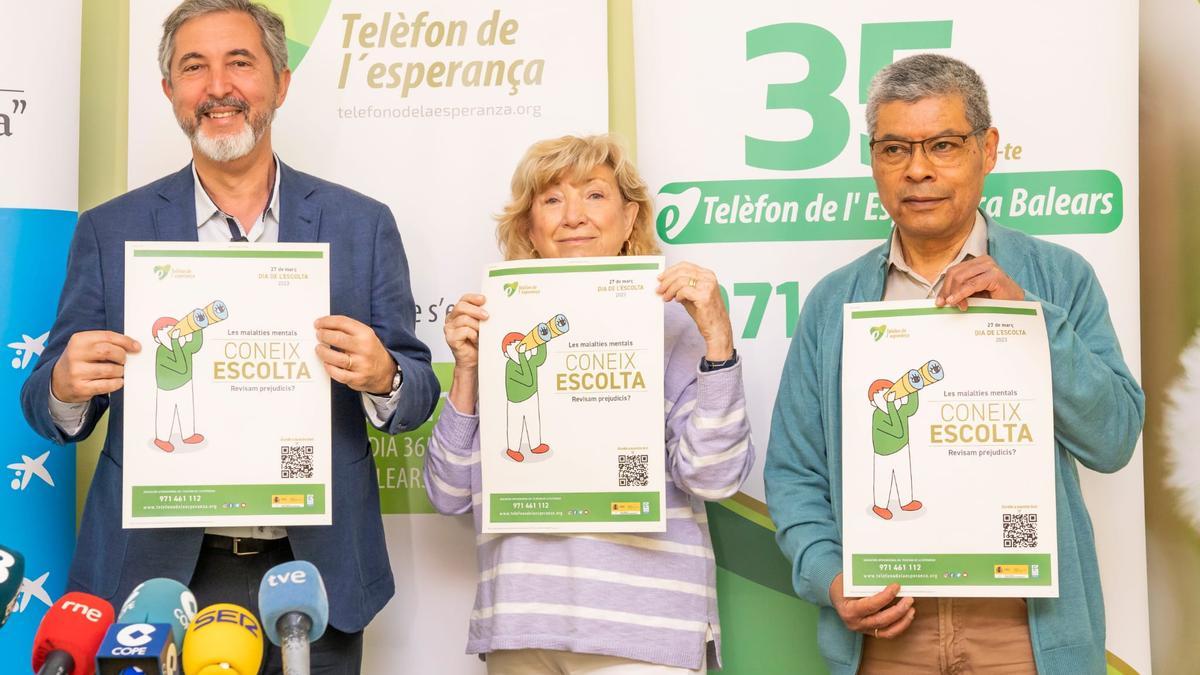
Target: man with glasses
<point>932,145</point>
<point>225,72</point>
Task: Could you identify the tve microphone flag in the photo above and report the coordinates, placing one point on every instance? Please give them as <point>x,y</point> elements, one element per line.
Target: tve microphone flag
<point>161,601</point>
<point>146,646</point>
<point>295,611</point>
<point>70,634</point>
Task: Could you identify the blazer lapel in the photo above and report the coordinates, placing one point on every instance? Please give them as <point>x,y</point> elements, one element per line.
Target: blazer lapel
<point>175,220</point>
<point>299,218</point>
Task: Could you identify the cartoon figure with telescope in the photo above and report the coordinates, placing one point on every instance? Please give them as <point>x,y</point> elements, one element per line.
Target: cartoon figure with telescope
<point>895,403</point>
<point>178,341</point>
<point>525,354</point>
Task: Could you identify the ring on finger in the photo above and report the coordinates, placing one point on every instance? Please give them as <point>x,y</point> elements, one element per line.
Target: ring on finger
<point>876,633</point>
<point>692,282</point>
<point>350,363</point>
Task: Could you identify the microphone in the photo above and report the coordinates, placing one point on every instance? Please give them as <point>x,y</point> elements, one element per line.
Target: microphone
<point>161,601</point>
<point>70,634</point>
<point>223,639</point>
<point>146,648</point>
<point>12,573</point>
<point>295,611</point>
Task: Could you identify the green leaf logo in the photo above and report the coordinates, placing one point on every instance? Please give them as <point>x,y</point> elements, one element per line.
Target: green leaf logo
<point>161,271</point>
<point>877,332</point>
<point>510,288</point>
<point>302,18</point>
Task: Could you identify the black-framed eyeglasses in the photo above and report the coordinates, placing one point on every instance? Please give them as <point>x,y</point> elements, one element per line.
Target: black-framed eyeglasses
<point>944,151</point>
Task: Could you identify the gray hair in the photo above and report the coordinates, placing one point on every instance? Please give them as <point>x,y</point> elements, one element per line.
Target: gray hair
<point>916,77</point>
<point>274,39</point>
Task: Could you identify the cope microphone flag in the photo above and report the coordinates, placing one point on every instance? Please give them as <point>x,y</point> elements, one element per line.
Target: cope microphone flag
<point>70,634</point>
<point>147,648</point>
<point>161,601</point>
<point>295,611</point>
<point>223,639</point>
<point>12,572</point>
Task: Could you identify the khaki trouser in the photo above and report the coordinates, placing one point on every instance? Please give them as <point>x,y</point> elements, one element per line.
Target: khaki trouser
<point>957,635</point>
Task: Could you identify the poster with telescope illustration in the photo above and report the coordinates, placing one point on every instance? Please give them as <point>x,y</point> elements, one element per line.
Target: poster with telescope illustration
<point>571,396</point>
<point>227,406</point>
<point>948,450</point>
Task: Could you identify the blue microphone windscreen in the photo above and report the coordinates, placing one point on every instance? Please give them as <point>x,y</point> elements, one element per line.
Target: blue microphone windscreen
<point>293,587</point>
<point>12,573</point>
<point>161,601</point>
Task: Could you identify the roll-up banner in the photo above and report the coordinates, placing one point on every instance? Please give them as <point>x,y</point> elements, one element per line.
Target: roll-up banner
<point>751,134</point>
<point>39,169</point>
<point>428,108</point>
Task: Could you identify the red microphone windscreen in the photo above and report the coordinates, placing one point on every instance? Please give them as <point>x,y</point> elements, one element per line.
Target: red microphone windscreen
<point>75,624</point>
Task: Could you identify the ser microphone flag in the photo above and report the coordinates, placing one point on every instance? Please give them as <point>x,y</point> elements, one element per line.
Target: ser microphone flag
<point>223,639</point>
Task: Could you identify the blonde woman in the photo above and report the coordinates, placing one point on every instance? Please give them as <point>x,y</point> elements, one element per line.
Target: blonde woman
<point>602,604</point>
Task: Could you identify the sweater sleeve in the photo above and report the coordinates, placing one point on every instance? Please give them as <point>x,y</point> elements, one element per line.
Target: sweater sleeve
<point>709,449</point>
<point>797,472</point>
<point>1098,407</point>
<point>452,455</point>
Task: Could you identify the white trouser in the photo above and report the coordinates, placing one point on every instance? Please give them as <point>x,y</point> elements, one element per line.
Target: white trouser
<point>551,661</point>
<point>894,468</point>
<point>172,402</point>
<point>524,422</point>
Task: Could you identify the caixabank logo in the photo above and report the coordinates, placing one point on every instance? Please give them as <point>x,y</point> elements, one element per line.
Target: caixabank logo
<point>846,208</point>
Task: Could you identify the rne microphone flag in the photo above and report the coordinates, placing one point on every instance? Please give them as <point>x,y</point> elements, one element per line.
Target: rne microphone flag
<point>70,634</point>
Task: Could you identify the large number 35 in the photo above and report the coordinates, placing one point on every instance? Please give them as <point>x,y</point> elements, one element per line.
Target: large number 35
<point>826,70</point>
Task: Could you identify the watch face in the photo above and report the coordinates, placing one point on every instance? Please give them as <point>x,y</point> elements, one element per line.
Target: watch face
<point>397,379</point>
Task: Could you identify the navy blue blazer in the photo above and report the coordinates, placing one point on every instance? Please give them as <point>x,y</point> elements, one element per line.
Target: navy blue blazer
<point>368,281</point>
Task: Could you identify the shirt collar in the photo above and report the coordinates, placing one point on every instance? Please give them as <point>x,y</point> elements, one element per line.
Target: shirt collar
<point>974,247</point>
<point>206,209</point>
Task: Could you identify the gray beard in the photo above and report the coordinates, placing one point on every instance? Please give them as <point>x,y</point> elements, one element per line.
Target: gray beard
<point>227,148</point>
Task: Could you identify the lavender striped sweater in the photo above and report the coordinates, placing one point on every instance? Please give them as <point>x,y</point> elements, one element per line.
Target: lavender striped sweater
<point>650,597</point>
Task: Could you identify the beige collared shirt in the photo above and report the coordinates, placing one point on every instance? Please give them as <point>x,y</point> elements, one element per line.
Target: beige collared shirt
<point>903,283</point>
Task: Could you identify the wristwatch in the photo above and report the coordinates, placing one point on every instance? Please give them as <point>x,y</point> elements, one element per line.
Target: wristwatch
<point>707,366</point>
<point>397,380</point>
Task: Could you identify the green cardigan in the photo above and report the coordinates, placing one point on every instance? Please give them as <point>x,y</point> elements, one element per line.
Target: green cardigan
<point>1098,414</point>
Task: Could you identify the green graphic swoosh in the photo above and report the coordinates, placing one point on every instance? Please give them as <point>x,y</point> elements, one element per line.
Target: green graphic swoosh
<point>302,18</point>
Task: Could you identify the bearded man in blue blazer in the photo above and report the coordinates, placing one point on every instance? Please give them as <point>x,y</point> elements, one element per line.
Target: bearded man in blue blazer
<point>225,71</point>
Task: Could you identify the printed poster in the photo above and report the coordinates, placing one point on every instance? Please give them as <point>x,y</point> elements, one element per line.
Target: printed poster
<point>227,406</point>
<point>948,450</point>
<point>571,396</point>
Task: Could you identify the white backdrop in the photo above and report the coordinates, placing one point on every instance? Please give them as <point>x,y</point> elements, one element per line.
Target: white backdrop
<point>441,158</point>
<point>700,94</point>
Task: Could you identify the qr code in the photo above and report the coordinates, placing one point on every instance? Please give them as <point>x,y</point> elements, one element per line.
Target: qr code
<point>1020,530</point>
<point>295,461</point>
<point>631,470</point>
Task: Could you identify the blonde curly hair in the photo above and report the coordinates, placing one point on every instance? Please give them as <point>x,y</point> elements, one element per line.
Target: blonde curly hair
<point>545,163</point>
